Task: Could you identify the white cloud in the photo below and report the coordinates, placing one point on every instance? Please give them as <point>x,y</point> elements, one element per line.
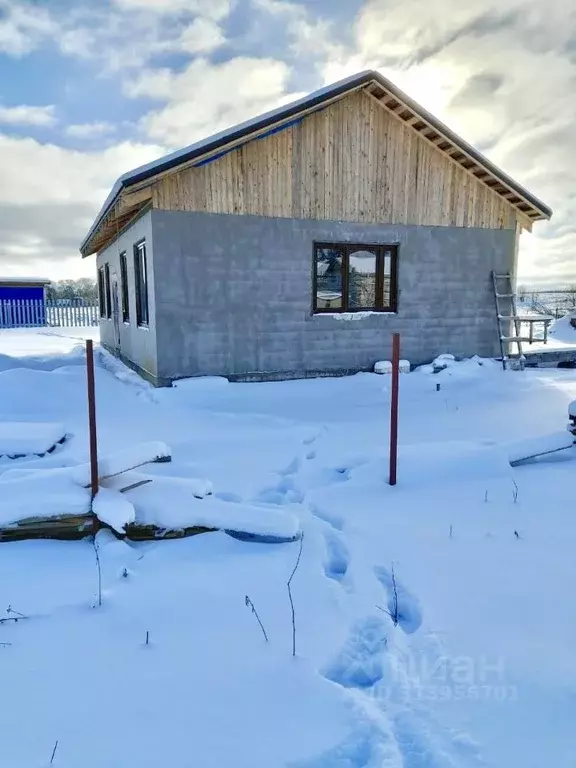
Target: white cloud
<point>23,26</point>
<point>27,115</point>
<point>130,33</point>
<point>307,34</point>
<point>213,9</point>
<point>201,36</point>
<point>49,197</point>
<point>500,75</point>
<point>204,98</point>
<point>89,130</point>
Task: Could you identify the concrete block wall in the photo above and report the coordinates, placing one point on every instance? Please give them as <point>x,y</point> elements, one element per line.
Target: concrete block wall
<point>234,295</point>
<point>138,346</point>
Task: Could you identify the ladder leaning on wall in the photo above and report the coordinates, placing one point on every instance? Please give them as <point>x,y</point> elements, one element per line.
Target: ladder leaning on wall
<point>507,317</point>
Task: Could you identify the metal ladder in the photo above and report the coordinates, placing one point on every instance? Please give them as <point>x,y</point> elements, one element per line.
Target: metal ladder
<point>505,300</point>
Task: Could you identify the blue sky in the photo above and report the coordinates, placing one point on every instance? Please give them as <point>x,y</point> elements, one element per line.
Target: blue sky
<point>89,90</point>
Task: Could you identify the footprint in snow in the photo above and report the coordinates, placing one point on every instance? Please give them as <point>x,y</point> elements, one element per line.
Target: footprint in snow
<point>371,744</point>
<point>401,604</point>
<point>292,468</point>
<point>360,663</point>
<point>334,520</point>
<point>284,492</point>
<point>337,557</point>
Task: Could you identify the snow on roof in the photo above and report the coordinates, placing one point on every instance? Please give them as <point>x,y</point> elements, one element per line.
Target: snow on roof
<point>20,280</point>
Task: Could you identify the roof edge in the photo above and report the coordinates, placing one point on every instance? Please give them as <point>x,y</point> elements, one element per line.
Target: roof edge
<point>462,143</point>
<point>314,99</point>
<point>239,131</point>
<point>25,280</point>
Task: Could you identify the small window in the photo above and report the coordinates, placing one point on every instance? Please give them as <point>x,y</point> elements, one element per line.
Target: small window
<point>141,274</point>
<point>124,288</point>
<point>355,278</point>
<point>101,292</point>
<point>107,290</point>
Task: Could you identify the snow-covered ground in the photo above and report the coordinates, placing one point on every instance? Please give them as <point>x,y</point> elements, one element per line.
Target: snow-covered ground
<point>561,336</point>
<point>435,621</point>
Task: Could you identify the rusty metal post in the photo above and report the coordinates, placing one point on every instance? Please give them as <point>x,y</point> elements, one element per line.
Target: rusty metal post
<point>92,418</point>
<point>394,408</point>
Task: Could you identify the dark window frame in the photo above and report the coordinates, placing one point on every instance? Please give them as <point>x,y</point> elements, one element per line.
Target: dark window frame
<point>379,250</point>
<point>124,293</point>
<point>101,293</point>
<point>141,284</point>
<point>108,291</point>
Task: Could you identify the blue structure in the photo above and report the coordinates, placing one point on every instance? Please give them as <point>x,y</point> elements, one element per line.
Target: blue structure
<point>22,302</point>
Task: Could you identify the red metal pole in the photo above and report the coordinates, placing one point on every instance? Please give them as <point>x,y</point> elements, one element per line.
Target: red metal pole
<point>92,418</point>
<point>394,408</point>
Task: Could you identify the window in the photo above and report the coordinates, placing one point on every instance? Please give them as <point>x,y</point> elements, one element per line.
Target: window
<point>141,273</point>
<point>101,292</point>
<point>354,278</point>
<point>107,290</point>
<point>124,288</point>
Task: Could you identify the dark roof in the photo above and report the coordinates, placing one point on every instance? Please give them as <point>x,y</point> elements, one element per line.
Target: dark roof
<point>5,281</point>
<point>315,100</point>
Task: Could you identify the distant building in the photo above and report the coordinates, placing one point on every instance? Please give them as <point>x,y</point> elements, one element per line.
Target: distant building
<point>295,244</point>
<point>22,301</point>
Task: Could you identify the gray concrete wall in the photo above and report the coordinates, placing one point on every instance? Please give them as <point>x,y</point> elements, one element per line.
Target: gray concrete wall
<point>234,295</point>
<point>137,345</point>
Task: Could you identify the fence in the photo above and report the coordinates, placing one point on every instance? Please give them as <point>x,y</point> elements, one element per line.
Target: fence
<point>34,313</point>
<point>556,303</point>
<point>59,316</point>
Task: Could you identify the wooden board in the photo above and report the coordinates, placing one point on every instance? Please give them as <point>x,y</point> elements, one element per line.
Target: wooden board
<point>65,528</point>
<point>71,528</point>
<point>136,532</point>
<point>353,161</point>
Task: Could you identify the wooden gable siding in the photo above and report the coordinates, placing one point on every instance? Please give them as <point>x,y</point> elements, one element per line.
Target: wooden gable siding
<point>352,161</point>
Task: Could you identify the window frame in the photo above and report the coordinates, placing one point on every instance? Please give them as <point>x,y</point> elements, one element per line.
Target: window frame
<point>124,293</point>
<point>379,250</point>
<point>107,291</point>
<point>101,293</point>
<point>142,298</point>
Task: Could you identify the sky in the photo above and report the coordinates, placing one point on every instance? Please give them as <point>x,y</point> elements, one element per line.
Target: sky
<point>90,89</point>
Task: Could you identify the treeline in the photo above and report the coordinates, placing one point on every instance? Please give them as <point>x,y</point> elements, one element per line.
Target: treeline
<point>84,288</point>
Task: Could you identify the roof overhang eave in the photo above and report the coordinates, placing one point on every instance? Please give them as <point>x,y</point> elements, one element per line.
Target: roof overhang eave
<point>538,210</point>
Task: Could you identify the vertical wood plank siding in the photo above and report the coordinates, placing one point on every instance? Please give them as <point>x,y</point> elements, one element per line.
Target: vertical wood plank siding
<point>352,161</point>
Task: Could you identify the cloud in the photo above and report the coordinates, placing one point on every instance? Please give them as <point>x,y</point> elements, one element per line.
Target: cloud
<point>89,130</point>
<point>213,9</point>
<point>206,98</point>
<point>201,36</point>
<point>27,115</point>
<point>23,26</point>
<point>49,197</point>
<point>503,77</point>
<point>307,35</point>
<point>127,34</point>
